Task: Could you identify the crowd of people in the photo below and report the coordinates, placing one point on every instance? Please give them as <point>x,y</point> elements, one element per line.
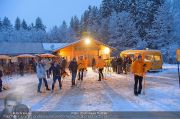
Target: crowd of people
<point>121,65</point>
<point>57,68</point>
<point>46,68</point>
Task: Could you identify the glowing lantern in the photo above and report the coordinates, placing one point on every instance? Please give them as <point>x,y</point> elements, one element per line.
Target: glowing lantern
<point>106,50</point>
<point>87,41</point>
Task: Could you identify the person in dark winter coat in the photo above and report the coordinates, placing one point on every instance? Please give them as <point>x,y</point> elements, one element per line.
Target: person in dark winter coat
<point>63,64</point>
<point>1,74</point>
<point>119,62</point>
<point>33,64</point>
<point>113,64</point>
<point>21,68</point>
<point>56,69</point>
<point>93,63</point>
<point>128,63</point>
<point>73,67</point>
<point>125,62</point>
<point>41,74</point>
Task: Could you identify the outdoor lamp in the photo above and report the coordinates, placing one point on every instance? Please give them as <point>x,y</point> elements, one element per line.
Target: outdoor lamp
<point>106,50</point>
<point>87,41</point>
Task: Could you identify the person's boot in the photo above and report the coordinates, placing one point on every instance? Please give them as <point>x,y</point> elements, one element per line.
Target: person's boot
<point>103,77</point>
<point>135,93</point>
<point>48,89</point>
<point>139,91</point>
<point>39,91</point>
<point>1,88</point>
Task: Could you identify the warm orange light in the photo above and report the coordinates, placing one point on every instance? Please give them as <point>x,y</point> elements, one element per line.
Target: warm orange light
<point>106,50</point>
<point>87,41</point>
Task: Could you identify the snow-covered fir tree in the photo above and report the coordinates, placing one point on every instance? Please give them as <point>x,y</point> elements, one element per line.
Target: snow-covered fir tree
<point>54,35</point>
<point>106,8</point>
<point>7,24</point>
<point>94,22</point>
<point>39,24</point>
<point>1,25</point>
<point>123,34</point>
<point>17,24</point>
<point>24,25</point>
<point>63,32</point>
<point>75,25</point>
<point>160,33</point>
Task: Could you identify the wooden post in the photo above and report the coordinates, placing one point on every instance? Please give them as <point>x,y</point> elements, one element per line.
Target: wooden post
<point>178,73</point>
<point>178,60</point>
<point>72,53</point>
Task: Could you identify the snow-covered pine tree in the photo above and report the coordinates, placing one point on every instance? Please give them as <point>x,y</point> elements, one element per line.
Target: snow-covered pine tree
<point>7,24</point>
<point>75,25</point>
<point>24,25</point>
<point>7,30</point>
<point>63,32</point>
<point>71,35</point>
<point>144,15</point>
<point>39,24</point>
<point>175,9</point>
<point>54,35</point>
<point>106,8</point>
<point>17,24</point>
<point>123,34</point>
<point>159,35</point>
<point>1,24</point>
<point>84,22</point>
<point>121,5</point>
<point>105,11</point>
<point>94,23</point>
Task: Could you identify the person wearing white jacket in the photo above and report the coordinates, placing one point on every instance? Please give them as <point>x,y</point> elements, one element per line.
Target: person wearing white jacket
<point>41,74</point>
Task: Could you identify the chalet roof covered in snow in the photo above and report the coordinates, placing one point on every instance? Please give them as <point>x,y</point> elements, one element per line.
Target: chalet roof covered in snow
<point>35,48</point>
<point>21,48</point>
<point>53,46</point>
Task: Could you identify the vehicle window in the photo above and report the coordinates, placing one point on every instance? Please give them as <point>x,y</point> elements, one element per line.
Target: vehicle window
<point>149,58</point>
<point>157,58</point>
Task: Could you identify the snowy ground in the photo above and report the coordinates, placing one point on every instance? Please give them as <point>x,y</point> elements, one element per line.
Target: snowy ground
<point>114,94</point>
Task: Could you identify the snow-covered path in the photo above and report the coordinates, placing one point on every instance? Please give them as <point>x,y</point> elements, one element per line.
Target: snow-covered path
<point>114,94</point>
